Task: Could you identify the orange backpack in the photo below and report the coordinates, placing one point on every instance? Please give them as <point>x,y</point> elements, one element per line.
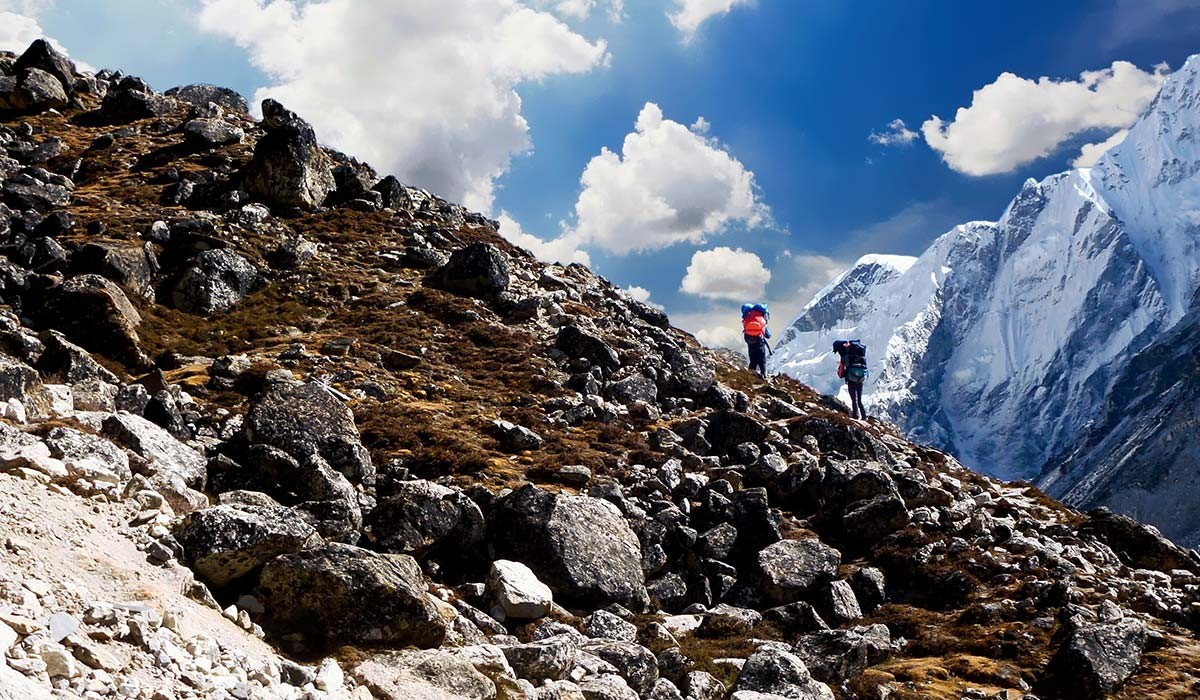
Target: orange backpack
<point>754,324</point>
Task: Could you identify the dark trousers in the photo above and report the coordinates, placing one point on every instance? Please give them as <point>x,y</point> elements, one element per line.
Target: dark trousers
<point>758,357</point>
<point>856,404</point>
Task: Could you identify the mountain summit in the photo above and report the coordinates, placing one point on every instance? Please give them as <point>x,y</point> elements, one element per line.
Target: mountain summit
<point>1005,341</point>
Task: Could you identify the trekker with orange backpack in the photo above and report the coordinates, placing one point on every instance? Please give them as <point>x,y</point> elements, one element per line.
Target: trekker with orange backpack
<point>754,330</point>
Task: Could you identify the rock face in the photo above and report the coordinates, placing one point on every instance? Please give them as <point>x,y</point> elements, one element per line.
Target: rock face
<point>580,546</point>
<point>289,168</point>
<point>215,283</point>
<point>225,543</point>
<point>339,594</point>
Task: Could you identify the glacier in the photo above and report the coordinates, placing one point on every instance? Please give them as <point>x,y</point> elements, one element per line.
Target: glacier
<point>1016,344</point>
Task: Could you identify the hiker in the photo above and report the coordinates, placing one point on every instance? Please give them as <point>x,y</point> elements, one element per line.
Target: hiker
<point>852,366</point>
<point>754,330</point>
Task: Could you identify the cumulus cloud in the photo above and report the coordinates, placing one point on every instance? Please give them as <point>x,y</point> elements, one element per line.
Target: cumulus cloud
<point>668,185</point>
<point>690,14</point>
<point>725,273</point>
<point>557,250</point>
<point>422,88</point>
<point>1090,153</point>
<point>807,274</point>
<point>641,294</point>
<point>897,133</point>
<point>1015,120</point>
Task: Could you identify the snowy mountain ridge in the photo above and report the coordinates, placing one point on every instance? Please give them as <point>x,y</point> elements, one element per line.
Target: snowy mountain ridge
<point>1002,342</point>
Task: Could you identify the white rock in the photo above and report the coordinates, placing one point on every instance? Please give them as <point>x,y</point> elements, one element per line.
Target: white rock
<point>518,591</point>
<point>15,411</point>
<point>62,399</point>
<point>8,637</point>
<point>61,626</point>
<point>330,677</point>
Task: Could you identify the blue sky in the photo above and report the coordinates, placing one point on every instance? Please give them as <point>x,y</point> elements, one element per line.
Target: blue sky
<point>790,90</point>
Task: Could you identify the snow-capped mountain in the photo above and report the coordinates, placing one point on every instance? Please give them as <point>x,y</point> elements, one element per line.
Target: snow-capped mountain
<point>1007,342</point>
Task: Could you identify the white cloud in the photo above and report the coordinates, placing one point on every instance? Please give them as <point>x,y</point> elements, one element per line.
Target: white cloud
<point>668,185</point>
<point>690,14</point>
<point>421,88</point>
<point>19,27</point>
<point>558,250</point>
<point>641,294</point>
<point>897,133</point>
<point>725,273</point>
<point>1091,152</point>
<point>582,9</point>
<point>1014,120</point>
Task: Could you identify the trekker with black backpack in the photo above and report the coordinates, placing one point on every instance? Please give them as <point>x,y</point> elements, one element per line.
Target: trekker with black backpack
<point>852,366</point>
<point>755,332</point>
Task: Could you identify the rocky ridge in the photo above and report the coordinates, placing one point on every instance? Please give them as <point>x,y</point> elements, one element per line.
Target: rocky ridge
<point>353,418</point>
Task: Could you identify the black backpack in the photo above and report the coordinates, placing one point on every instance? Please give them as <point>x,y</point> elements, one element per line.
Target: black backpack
<point>854,357</point>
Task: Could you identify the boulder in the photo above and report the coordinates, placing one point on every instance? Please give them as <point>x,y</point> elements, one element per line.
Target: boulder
<point>637,387</point>
<point>202,94</point>
<point>580,546</point>
<point>95,313</point>
<point>37,91</point>
<point>175,470</point>
<point>479,270</point>
<point>70,363</point>
<point>516,438</point>
<point>289,168</point>
<point>837,604</point>
<point>132,98</point>
<point>412,675</point>
<point>604,625</point>
<point>636,664</point>
<point>518,591</point>
<point>424,519</point>
<point>212,133</point>
<point>339,594</point>
<point>578,343</point>
<point>837,656</point>
<point>225,543</point>
<point>43,57</point>
<point>774,671</point>
<point>131,266</point>
<point>551,658</point>
<point>1097,658</point>
<point>788,569</point>
<point>215,282</point>
<point>72,445</point>
<point>607,687</point>
<point>305,419</point>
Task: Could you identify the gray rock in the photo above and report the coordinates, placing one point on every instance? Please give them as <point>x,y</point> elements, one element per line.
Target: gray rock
<point>226,543</point>
<point>837,656</point>
<point>479,270</point>
<point>701,685</point>
<point>607,688</point>
<point>95,313</point>
<point>71,445</point>
<point>305,419</point>
<point>578,343</point>
<point>289,167</point>
<point>42,56</point>
<point>200,95</point>
<point>339,594</point>
<point>408,675</point>
<point>788,569</point>
<point>605,625</point>
<point>37,91</point>
<point>174,469</point>
<point>551,658</point>
<point>131,266</point>
<point>70,363</point>
<point>516,438</point>
<point>1097,658</point>
<point>217,280</point>
<point>634,662</point>
<point>837,604</point>
<point>518,592</point>
<point>424,519</point>
<point>581,547</point>
<point>132,98</point>
<point>777,672</point>
<point>211,133</point>
<point>632,389</point>
<point>726,621</point>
